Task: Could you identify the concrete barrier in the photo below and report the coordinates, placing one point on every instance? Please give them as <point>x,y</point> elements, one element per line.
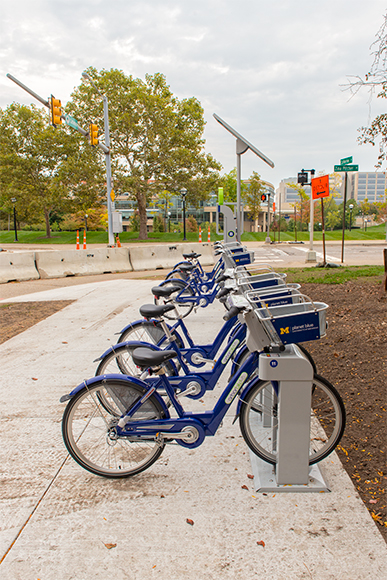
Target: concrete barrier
<point>62,263</point>
<point>17,266</point>
<point>166,256</point>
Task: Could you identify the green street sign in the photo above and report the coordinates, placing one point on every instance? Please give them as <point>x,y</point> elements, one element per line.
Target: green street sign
<point>346,160</point>
<point>342,168</point>
<point>71,122</point>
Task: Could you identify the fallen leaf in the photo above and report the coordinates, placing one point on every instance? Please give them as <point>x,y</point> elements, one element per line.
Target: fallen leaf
<point>244,487</point>
<point>34,379</point>
<point>190,522</point>
<point>110,546</point>
<point>261,543</point>
<point>373,501</point>
<point>64,342</point>
<point>162,495</point>
<point>250,476</point>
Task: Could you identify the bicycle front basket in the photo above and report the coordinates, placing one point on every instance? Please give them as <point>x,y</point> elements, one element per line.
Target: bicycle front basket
<point>292,323</point>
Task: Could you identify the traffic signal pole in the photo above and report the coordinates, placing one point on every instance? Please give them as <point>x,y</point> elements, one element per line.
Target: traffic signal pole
<point>104,146</point>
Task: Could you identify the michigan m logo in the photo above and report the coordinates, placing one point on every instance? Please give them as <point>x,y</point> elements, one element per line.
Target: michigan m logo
<point>285,330</point>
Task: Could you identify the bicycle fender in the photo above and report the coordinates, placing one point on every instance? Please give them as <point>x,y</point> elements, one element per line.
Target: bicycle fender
<point>122,378</point>
<point>140,322</point>
<point>236,360</point>
<point>115,347</point>
<point>247,388</point>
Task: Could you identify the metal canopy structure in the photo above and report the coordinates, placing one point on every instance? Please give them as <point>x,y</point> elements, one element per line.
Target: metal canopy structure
<point>242,145</point>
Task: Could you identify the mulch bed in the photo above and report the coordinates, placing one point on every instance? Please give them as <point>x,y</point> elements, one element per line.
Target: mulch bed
<point>352,357</point>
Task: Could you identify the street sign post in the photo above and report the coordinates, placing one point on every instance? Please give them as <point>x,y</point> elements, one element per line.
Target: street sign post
<point>344,167</point>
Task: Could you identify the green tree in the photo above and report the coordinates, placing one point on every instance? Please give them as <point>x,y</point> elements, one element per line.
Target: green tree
<point>31,155</point>
<point>303,204</point>
<point>229,183</point>
<point>252,195</point>
<point>375,80</point>
<point>156,139</point>
<point>47,170</point>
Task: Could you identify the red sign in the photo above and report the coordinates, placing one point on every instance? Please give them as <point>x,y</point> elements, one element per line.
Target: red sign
<point>320,187</point>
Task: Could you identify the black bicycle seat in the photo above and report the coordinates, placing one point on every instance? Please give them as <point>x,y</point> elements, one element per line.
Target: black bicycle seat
<point>155,310</point>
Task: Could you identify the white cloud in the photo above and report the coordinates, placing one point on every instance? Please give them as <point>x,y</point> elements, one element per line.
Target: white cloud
<point>272,70</point>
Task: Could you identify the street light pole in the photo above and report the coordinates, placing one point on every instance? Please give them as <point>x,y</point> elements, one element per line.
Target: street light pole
<point>110,194</point>
<point>183,193</point>
<point>350,216</point>
<point>14,218</point>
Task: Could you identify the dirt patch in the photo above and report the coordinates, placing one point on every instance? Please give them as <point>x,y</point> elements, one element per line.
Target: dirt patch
<point>16,317</point>
<point>352,357</point>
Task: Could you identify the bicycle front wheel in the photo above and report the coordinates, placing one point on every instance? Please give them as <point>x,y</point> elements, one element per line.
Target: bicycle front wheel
<point>259,420</point>
<point>89,435</point>
<point>182,309</point>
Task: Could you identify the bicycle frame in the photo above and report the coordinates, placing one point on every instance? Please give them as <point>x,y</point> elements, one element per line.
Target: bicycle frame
<point>205,424</point>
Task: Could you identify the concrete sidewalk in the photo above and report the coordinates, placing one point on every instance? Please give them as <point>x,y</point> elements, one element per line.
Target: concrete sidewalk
<point>69,524</point>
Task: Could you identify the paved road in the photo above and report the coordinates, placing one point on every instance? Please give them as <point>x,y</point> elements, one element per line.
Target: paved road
<point>70,525</point>
<point>294,255</point>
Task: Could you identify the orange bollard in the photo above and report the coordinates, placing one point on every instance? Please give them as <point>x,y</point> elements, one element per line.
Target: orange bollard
<point>209,235</point>
<point>200,235</point>
<point>84,239</point>
<point>118,241</point>
<point>77,247</point>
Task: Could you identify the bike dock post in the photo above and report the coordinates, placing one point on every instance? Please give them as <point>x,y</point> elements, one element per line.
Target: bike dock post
<point>292,473</point>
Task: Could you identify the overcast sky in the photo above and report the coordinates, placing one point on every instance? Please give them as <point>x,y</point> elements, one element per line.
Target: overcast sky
<point>271,69</point>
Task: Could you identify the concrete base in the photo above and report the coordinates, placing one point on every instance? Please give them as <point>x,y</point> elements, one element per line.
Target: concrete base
<point>265,479</point>
<point>311,256</point>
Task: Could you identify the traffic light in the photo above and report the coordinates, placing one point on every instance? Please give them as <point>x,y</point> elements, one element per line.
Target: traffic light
<point>263,196</point>
<point>55,111</point>
<point>93,134</point>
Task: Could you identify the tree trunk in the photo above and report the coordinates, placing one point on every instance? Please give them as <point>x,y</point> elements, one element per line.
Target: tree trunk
<point>141,203</point>
<point>47,220</point>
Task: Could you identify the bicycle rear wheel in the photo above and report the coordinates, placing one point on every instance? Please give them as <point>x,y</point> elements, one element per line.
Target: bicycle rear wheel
<point>148,331</point>
<point>120,360</point>
<point>144,330</point>
<point>259,420</point>
<point>89,435</point>
<point>182,309</point>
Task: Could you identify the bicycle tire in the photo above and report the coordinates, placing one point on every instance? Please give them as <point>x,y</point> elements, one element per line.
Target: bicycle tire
<point>143,330</point>
<point>182,309</point>
<point>149,331</point>
<point>86,426</point>
<point>327,420</point>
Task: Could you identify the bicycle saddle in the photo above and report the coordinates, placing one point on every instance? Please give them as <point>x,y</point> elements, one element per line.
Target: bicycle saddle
<point>165,290</point>
<point>155,311</point>
<point>145,357</point>
<point>191,255</point>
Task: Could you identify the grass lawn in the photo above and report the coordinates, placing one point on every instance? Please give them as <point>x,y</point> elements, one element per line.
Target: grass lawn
<point>38,237</point>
